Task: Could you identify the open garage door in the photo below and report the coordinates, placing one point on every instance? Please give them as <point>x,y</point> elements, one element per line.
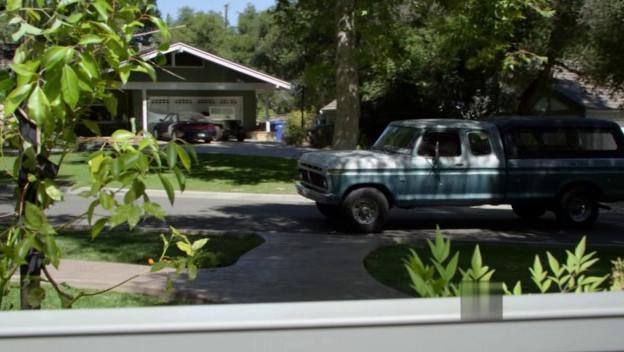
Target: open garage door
<point>220,108</point>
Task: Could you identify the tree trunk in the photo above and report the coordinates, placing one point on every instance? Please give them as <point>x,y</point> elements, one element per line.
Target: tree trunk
<point>346,128</point>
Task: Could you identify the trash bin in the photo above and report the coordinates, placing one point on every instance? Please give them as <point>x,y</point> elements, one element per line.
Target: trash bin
<point>278,128</point>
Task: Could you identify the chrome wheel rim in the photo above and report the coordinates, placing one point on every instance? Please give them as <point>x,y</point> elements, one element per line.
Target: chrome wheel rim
<point>365,211</point>
<point>579,209</point>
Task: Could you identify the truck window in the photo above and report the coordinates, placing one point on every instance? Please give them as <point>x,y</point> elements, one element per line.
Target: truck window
<point>449,143</point>
<point>479,143</point>
<point>566,143</point>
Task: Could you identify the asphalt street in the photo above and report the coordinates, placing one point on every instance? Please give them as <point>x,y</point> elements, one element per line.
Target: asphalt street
<point>235,212</point>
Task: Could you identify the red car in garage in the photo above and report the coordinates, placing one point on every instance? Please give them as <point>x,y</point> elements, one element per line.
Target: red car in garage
<point>189,126</point>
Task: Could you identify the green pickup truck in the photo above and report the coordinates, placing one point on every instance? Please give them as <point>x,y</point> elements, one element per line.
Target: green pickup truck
<point>565,165</point>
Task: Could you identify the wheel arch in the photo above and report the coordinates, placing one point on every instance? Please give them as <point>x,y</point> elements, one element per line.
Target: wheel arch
<point>380,187</point>
<point>590,186</point>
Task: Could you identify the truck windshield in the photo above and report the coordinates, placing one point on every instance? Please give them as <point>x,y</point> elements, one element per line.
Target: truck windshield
<point>397,139</point>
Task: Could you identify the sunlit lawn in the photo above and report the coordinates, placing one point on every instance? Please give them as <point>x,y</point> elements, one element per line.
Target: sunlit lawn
<point>511,261</point>
<point>215,173</point>
<point>105,300</point>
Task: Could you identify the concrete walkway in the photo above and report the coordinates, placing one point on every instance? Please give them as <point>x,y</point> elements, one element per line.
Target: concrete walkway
<point>286,268</point>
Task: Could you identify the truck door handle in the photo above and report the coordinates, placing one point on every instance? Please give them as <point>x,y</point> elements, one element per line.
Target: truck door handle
<point>459,164</point>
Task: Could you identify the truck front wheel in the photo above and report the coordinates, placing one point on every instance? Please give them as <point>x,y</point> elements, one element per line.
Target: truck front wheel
<point>577,208</point>
<point>366,209</point>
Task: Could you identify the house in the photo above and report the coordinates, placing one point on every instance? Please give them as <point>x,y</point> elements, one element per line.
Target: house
<point>570,95</point>
<point>194,80</point>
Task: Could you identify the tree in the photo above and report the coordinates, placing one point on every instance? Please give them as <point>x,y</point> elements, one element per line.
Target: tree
<point>71,54</point>
<point>346,129</point>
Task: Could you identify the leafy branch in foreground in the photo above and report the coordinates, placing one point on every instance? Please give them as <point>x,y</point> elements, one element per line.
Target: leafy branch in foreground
<point>71,55</point>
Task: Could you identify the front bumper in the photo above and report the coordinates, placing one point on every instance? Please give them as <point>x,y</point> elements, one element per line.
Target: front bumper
<point>196,135</point>
<point>325,198</point>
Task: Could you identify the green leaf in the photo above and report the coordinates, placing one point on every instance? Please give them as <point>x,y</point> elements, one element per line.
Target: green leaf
<point>110,102</point>
<point>155,210</point>
<point>92,126</point>
<point>476,262</point>
<point>38,106</point>
<point>181,178</point>
<point>554,265</point>
<point>134,216</point>
<point>172,156</point>
<point>106,200</point>
<point>98,227</point>
<point>53,192</point>
<point>90,211</point>
<point>158,267</point>
<point>579,251</point>
<point>69,86</point>
<point>186,160</point>
<point>13,5</point>
<point>199,244</point>
<point>185,247</point>
<point>90,39</point>
<point>191,271</point>
<point>89,65</point>
<point>102,8</point>
<point>122,136</point>
<point>16,97</point>
<point>164,30</point>
<point>57,54</point>
<point>34,217</point>
<point>168,188</point>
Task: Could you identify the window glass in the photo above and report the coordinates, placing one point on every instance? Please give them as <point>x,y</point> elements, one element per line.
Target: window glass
<point>397,139</point>
<point>448,142</point>
<point>479,143</point>
<point>566,143</point>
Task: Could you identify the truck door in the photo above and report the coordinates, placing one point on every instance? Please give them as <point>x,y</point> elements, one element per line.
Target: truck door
<point>438,169</point>
<point>485,178</point>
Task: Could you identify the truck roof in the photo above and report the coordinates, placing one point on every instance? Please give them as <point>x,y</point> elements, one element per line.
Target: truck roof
<point>443,123</point>
<point>510,122</point>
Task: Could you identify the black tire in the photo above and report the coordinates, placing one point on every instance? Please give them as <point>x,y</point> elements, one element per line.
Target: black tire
<point>240,138</point>
<point>156,134</point>
<point>577,208</point>
<point>330,211</point>
<point>366,209</point>
<point>528,211</point>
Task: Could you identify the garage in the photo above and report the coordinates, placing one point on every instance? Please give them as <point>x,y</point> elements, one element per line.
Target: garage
<point>193,80</point>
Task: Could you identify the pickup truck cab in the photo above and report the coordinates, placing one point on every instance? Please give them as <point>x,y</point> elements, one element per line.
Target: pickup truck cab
<point>565,165</point>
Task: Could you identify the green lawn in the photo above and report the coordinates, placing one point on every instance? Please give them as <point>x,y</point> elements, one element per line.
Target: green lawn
<point>105,300</point>
<point>215,172</point>
<point>137,248</point>
<point>511,261</point>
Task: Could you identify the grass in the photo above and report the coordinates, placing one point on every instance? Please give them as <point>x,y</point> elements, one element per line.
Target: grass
<point>105,300</point>
<point>511,261</point>
<point>215,173</point>
<point>137,248</point>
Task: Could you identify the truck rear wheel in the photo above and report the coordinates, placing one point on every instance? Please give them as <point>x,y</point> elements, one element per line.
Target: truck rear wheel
<point>528,211</point>
<point>577,208</point>
<point>366,209</point>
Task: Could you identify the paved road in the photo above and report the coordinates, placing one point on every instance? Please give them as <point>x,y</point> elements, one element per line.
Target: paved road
<point>232,212</point>
<point>306,257</point>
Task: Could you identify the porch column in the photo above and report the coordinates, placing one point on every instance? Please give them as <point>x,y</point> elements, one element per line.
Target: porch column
<point>144,109</point>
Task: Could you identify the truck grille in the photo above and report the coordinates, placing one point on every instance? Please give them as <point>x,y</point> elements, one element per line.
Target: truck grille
<point>313,178</point>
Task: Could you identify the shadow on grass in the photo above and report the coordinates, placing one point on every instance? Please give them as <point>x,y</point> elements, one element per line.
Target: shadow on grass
<point>511,262</point>
<point>138,248</point>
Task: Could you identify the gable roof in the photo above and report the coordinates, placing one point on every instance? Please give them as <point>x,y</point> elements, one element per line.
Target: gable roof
<point>586,95</point>
<point>185,48</point>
